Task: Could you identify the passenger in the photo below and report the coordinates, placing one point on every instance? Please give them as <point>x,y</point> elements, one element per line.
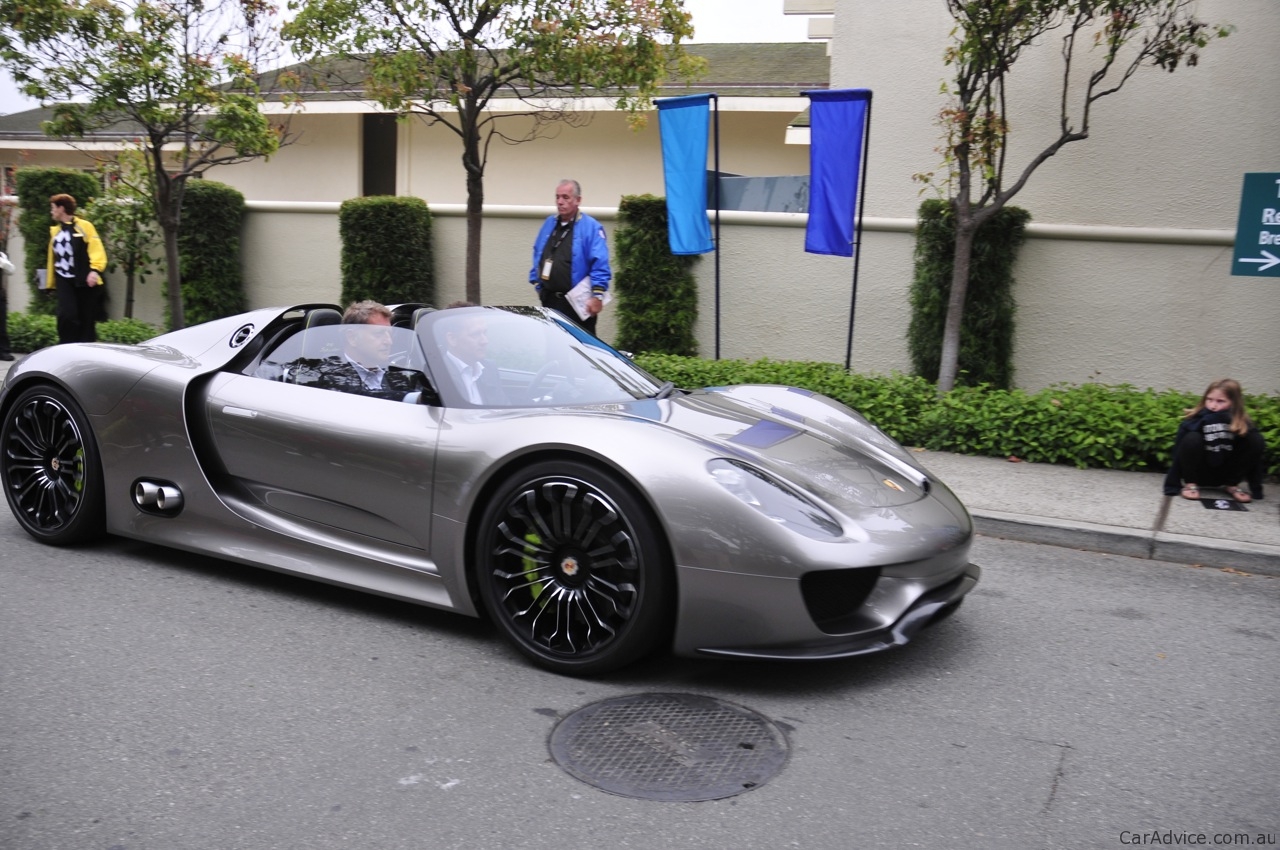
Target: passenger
<point>363,367</point>
<point>1217,445</point>
<point>466,339</point>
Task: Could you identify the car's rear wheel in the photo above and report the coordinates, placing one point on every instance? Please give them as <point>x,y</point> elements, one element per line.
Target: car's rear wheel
<point>572,568</point>
<point>51,469</point>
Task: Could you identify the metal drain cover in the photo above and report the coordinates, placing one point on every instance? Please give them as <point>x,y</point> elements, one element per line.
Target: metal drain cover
<point>669,747</point>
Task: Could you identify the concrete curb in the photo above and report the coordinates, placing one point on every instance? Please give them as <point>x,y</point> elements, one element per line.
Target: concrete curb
<point>1134,543</point>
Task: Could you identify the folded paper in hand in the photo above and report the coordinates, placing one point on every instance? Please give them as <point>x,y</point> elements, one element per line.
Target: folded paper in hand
<point>578,297</point>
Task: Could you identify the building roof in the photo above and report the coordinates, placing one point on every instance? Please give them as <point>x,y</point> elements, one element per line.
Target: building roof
<point>764,70</point>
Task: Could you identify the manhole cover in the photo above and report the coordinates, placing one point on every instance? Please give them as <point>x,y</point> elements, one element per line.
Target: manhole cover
<point>670,747</point>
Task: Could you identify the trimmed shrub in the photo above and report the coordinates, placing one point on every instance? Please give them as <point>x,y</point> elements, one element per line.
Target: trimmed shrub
<point>656,290</point>
<point>386,250</point>
<point>1093,425</point>
<point>35,186</point>
<point>986,334</point>
<point>209,252</point>
<point>29,332</point>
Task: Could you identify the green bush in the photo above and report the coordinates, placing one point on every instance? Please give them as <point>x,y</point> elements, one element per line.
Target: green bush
<point>35,187</point>
<point>29,332</point>
<point>656,290</point>
<point>1093,425</point>
<point>209,252</point>
<point>386,250</point>
<point>986,334</point>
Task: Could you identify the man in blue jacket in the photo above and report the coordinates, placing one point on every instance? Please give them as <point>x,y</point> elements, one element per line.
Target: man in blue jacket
<point>571,248</point>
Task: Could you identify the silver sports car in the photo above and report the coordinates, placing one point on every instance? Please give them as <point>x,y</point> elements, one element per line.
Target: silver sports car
<point>494,461</point>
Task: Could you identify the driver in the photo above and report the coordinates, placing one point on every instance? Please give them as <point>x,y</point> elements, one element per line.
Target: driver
<point>466,339</point>
<point>363,365</point>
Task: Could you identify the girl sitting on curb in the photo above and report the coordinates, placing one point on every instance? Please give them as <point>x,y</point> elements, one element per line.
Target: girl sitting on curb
<point>1217,445</point>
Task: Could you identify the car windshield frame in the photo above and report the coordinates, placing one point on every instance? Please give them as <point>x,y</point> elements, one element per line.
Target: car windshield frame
<point>521,343</point>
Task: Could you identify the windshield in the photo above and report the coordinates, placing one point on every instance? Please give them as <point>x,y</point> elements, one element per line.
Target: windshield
<point>525,357</point>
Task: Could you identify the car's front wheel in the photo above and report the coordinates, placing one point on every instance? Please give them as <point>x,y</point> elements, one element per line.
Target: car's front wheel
<point>51,470</point>
<point>572,568</point>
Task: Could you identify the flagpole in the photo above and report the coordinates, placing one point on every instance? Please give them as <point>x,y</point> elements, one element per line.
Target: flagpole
<point>857,239</point>
<point>716,193</point>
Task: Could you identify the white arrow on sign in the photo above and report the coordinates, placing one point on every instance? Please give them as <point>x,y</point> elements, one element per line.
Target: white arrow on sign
<point>1267,259</point>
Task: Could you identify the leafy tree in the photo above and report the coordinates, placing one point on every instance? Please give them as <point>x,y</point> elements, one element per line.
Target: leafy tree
<point>125,216</point>
<point>180,76</point>
<point>446,60</point>
<point>987,40</point>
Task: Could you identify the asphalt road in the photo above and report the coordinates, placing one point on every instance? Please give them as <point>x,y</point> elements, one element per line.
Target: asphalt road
<point>152,700</point>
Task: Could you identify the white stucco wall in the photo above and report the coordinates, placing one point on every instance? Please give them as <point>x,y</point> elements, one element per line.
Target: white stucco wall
<point>1168,151</point>
<point>779,302</point>
<point>321,164</point>
<point>607,157</point>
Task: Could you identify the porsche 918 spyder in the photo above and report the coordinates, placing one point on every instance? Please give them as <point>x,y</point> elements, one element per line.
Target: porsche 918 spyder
<point>496,462</point>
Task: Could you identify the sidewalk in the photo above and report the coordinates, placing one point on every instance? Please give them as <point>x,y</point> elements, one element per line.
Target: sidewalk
<point>1103,510</point>
<point>1108,510</point>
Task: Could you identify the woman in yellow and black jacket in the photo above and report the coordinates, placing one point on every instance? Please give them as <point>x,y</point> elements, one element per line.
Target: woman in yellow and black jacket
<point>76,262</point>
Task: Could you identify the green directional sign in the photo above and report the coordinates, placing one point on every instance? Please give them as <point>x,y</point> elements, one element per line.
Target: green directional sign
<point>1258,231</point>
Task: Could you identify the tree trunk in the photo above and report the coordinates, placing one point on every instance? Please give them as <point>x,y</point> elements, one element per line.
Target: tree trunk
<point>473,165</point>
<point>948,365</point>
<point>168,195</point>
<point>475,221</point>
<point>174,276</point>
<point>128,293</point>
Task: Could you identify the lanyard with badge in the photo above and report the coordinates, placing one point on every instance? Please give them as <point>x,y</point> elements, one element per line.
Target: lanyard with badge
<point>562,230</point>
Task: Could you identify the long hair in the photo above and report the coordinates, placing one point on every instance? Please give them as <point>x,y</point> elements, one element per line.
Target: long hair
<point>1231,389</point>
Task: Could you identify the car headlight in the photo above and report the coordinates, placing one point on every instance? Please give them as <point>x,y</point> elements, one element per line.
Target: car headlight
<point>774,499</point>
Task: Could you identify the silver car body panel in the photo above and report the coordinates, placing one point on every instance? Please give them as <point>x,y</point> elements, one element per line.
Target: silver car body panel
<point>379,495</point>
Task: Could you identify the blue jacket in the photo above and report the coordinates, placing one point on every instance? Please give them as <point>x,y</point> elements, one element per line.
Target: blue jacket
<point>590,252</point>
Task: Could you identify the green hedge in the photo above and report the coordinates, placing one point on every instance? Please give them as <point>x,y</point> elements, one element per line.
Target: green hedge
<point>656,290</point>
<point>986,333</point>
<point>29,332</point>
<point>1094,425</point>
<point>386,250</point>
<point>209,252</point>
<point>35,187</point>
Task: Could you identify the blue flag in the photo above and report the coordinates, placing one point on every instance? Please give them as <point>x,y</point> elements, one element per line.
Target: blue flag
<point>683,123</point>
<point>837,127</point>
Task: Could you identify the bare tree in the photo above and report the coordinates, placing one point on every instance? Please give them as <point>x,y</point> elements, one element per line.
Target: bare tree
<point>1111,39</point>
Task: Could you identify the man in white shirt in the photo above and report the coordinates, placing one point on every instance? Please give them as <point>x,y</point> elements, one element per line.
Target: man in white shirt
<point>466,339</point>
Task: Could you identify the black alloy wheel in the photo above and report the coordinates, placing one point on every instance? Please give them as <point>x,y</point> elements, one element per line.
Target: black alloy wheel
<point>572,569</point>
<point>51,469</point>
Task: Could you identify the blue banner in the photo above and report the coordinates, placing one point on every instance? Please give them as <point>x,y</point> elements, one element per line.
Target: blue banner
<point>837,128</point>
<point>683,122</point>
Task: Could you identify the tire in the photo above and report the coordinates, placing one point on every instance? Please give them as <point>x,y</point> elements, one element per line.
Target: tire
<point>571,567</point>
<point>51,469</point>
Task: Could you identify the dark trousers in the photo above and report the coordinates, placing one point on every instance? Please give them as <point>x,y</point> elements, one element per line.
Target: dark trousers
<point>556,301</point>
<point>77,312</point>
<point>4,318</point>
<point>1191,463</point>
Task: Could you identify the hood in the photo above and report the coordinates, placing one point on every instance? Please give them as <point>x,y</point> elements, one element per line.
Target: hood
<point>807,439</point>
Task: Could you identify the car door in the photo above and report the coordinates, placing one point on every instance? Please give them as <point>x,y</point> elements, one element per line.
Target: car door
<point>358,465</point>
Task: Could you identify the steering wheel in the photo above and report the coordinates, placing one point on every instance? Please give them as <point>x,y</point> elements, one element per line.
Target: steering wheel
<point>541,376</point>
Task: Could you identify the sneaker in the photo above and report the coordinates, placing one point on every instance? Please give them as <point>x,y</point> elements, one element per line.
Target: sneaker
<point>4,355</point>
